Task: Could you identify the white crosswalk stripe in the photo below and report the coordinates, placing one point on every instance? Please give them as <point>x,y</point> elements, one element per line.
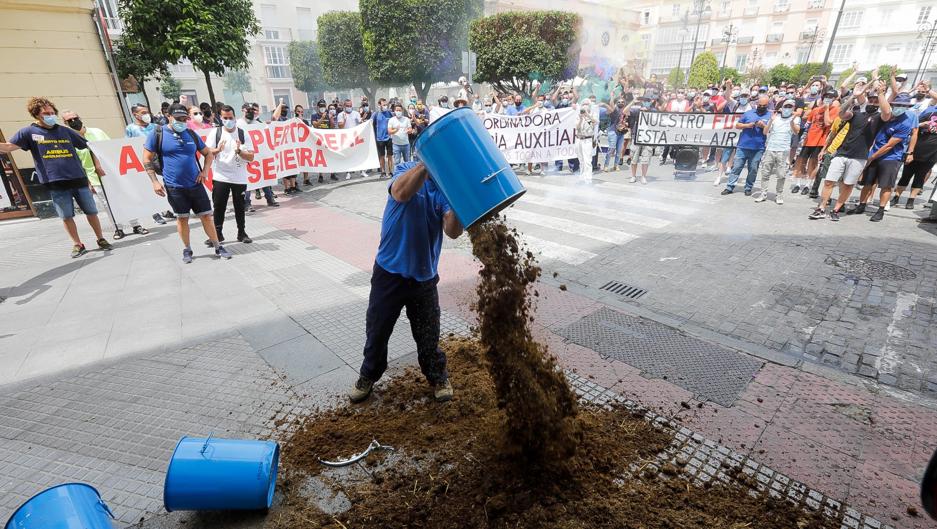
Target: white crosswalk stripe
<point>556,251</point>
<point>644,190</point>
<point>572,227</point>
<point>598,211</point>
<point>595,196</point>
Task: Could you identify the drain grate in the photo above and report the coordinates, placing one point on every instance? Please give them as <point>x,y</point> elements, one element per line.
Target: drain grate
<point>707,370</point>
<point>623,290</point>
<point>871,269</point>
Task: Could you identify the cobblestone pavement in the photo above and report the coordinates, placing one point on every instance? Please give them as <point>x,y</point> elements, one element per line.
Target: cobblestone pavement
<point>283,322</point>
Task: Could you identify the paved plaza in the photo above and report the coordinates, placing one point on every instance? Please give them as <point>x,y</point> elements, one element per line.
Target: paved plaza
<point>804,347</point>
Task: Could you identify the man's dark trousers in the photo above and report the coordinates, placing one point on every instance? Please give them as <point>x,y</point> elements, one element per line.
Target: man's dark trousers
<point>219,195</point>
<point>389,294</point>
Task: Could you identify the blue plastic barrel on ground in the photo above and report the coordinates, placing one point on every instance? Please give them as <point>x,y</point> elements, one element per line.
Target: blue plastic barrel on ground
<point>66,506</point>
<point>221,474</point>
<point>467,166</point>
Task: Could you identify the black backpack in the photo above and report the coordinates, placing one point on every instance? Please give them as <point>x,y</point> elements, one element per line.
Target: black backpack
<point>218,135</point>
<point>159,147</point>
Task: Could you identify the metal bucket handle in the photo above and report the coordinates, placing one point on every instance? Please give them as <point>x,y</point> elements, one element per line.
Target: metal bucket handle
<point>106,509</point>
<point>205,446</point>
<point>494,174</point>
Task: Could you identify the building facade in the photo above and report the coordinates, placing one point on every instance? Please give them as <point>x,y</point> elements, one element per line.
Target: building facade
<point>752,33</point>
<point>282,21</point>
<point>50,48</point>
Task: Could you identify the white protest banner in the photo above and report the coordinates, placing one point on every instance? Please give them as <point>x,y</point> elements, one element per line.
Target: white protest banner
<point>287,148</point>
<point>126,184</point>
<point>686,128</point>
<point>283,148</point>
<point>542,137</point>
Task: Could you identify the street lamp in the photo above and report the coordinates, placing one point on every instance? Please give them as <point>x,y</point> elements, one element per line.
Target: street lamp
<point>728,36</point>
<point>928,32</point>
<point>700,8</point>
<point>683,31</point>
<point>818,35</point>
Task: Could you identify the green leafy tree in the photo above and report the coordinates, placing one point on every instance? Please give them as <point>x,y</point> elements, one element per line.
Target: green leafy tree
<point>306,67</point>
<point>676,77</point>
<point>170,87</point>
<point>415,41</point>
<point>780,73</point>
<point>756,74</point>
<point>704,70</point>
<point>802,73</point>
<point>238,82</point>
<point>133,62</point>
<point>730,73</point>
<point>341,52</point>
<point>884,72</point>
<point>514,49</point>
<point>212,34</point>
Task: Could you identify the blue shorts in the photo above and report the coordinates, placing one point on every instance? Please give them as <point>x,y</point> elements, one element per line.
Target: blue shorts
<point>64,201</point>
<point>187,200</point>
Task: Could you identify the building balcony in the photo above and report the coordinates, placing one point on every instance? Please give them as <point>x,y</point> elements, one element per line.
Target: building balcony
<point>750,11</point>
<point>816,4</point>
<point>272,34</point>
<point>279,71</point>
<point>743,41</point>
<point>807,35</point>
<point>782,8</point>
<point>774,38</point>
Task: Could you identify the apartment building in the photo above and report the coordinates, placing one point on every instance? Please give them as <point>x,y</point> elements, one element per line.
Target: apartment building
<point>282,21</point>
<point>746,33</point>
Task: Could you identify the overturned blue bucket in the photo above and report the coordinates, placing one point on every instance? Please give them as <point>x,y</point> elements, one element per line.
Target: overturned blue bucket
<point>214,474</point>
<point>66,506</point>
<point>467,166</point>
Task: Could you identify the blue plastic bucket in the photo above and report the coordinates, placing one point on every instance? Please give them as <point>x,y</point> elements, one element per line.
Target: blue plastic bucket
<point>221,474</point>
<point>467,166</point>
<point>65,506</point>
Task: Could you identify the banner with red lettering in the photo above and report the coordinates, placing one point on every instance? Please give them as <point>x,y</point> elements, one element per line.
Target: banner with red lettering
<point>284,148</point>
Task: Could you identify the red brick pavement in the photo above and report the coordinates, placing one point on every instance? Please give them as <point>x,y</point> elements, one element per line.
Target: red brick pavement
<point>866,449</point>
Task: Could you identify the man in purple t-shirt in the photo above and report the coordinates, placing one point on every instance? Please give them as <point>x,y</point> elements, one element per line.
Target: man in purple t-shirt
<point>55,154</point>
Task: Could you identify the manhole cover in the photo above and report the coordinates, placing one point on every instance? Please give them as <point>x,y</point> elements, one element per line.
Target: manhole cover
<point>707,370</point>
<point>871,269</point>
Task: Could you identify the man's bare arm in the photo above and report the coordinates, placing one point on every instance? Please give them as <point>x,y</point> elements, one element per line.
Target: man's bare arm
<point>407,184</point>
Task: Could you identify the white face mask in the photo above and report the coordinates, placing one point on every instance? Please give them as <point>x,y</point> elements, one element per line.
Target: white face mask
<point>146,118</point>
<point>197,118</point>
<point>398,113</point>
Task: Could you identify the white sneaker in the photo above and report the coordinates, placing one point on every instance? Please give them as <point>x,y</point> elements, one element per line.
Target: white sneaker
<point>348,177</point>
<point>364,174</point>
<point>717,181</point>
<point>761,197</point>
<point>633,180</point>
<point>643,180</point>
<point>887,205</point>
<point>779,200</point>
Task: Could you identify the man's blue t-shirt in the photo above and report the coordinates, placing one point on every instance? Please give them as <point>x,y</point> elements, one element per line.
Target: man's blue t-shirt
<point>754,137</point>
<point>513,110</point>
<point>180,168</point>
<point>900,127</point>
<point>380,125</point>
<point>133,130</point>
<point>53,150</point>
<point>411,232</point>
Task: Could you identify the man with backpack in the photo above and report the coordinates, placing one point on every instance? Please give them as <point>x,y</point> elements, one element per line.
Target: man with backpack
<point>229,171</point>
<point>174,147</point>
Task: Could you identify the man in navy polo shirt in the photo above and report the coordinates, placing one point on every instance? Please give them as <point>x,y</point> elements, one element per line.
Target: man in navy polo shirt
<point>887,154</point>
<point>385,152</point>
<point>59,168</point>
<point>751,145</point>
<point>415,217</point>
<point>174,146</point>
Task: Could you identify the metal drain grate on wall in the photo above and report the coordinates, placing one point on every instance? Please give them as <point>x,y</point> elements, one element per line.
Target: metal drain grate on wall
<point>623,290</point>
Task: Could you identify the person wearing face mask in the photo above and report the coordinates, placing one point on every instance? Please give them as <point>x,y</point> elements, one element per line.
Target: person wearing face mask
<point>750,147</point>
<point>250,113</point>
<point>887,153</point>
<point>860,113</point>
<point>516,107</point>
<point>399,127</point>
<point>419,120</point>
<point>175,146</point>
<point>641,155</point>
<point>441,110</point>
<point>208,115</point>
<point>921,155</point>
<point>365,109</point>
<point>94,134</point>
<point>819,120</point>
<point>780,128</point>
<point>196,121</point>
<point>385,151</point>
<point>585,133</point>
<point>143,124</point>
<point>617,127</point>
<point>58,168</point>
<point>229,172</point>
